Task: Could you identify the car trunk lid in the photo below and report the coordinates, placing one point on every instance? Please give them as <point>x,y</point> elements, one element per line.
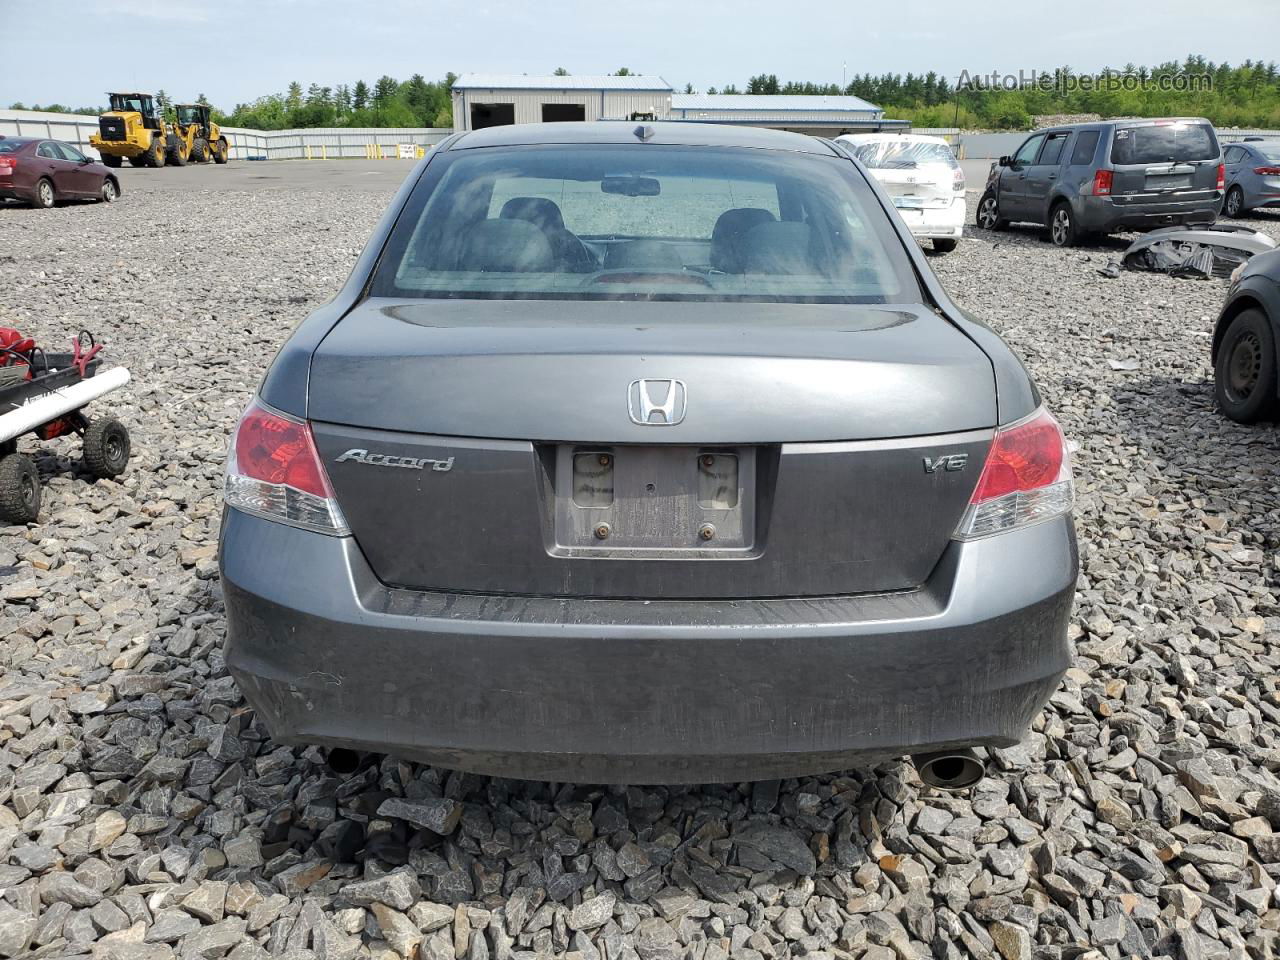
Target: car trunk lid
<point>491,446</point>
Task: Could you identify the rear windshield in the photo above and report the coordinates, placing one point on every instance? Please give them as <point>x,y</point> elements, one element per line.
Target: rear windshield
<point>644,222</point>
<point>1268,151</point>
<point>12,146</point>
<point>1164,143</point>
<point>903,154</point>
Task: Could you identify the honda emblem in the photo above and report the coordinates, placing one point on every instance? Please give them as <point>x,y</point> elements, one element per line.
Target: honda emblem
<point>656,403</point>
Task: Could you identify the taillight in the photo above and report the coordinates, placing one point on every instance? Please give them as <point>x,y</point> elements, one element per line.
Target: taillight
<point>1222,177</point>
<point>1260,171</point>
<point>8,165</point>
<point>957,180</point>
<point>274,471</point>
<point>1102,183</point>
<point>1026,479</point>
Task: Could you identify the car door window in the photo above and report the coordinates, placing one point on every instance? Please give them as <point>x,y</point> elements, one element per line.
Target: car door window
<point>69,152</point>
<point>1051,153</point>
<point>1086,146</point>
<point>48,151</point>
<point>1026,154</point>
<point>1234,155</point>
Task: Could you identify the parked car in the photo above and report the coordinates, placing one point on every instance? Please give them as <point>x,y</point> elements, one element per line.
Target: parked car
<point>647,454</point>
<point>1252,176</point>
<point>922,176</point>
<point>1246,384</point>
<point>1105,176</point>
<point>44,172</point>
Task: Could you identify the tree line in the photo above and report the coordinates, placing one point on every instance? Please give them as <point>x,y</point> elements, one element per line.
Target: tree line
<point>1246,95</point>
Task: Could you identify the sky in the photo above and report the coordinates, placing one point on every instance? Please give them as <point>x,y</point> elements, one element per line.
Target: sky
<point>71,51</point>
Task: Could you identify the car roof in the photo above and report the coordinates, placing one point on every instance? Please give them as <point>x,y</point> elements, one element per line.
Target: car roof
<point>623,131</point>
<point>891,137</point>
<point>1127,122</point>
<point>19,140</point>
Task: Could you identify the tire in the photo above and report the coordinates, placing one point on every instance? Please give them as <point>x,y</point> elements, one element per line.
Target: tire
<point>988,216</point>
<point>944,245</point>
<point>1062,225</point>
<point>44,197</point>
<point>1245,372</point>
<point>174,153</point>
<point>223,153</point>
<point>139,161</point>
<point>200,150</point>
<point>1233,204</point>
<point>110,191</point>
<point>155,155</point>
<point>19,489</point>
<point>112,161</point>
<point>105,449</point>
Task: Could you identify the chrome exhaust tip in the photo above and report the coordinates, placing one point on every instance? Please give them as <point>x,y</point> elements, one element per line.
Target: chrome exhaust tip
<point>342,761</point>
<point>950,769</point>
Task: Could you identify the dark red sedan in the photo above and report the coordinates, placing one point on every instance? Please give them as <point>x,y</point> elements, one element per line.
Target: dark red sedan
<point>43,172</point>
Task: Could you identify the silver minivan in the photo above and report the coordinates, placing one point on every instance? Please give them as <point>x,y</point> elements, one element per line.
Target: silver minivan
<point>1108,175</point>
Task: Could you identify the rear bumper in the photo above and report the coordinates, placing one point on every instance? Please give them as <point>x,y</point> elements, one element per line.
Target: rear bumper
<point>941,222</point>
<point>633,691</point>
<point>1107,213</point>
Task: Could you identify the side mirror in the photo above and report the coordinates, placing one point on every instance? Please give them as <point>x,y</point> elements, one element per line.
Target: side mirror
<point>85,160</point>
<point>1005,161</point>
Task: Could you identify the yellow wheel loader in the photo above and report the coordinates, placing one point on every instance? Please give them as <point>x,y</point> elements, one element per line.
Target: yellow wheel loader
<point>131,130</point>
<point>199,135</point>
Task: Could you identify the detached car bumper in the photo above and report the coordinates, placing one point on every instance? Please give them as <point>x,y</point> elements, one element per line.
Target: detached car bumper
<point>637,691</point>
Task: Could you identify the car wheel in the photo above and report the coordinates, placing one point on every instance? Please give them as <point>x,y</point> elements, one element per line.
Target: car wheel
<point>943,244</point>
<point>105,449</point>
<point>110,192</point>
<point>988,217</point>
<point>1233,205</point>
<point>1062,225</point>
<point>19,489</point>
<point>1245,372</point>
<point>44,196</point>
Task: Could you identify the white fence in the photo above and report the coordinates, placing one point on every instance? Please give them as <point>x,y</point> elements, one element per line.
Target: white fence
<point>331,142</point>
<point>334,142</point>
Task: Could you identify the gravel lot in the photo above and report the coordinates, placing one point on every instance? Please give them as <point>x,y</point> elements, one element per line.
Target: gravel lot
<point>143,813</point>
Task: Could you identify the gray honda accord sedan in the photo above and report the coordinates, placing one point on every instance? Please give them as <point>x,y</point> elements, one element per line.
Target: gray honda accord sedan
<point>646,454</point>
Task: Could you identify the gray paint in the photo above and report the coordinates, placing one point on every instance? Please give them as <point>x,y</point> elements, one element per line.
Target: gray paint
<point>636,691</point>
<point>848,627</point>
<point>828,519</point>
<point>1259,289</point>
<point>1028,192</point>
<point>1256,190</point>
<point>559,370</point>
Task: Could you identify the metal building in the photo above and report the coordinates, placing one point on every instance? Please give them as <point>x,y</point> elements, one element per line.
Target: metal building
<point>489,99</point>
<point>823,116</point>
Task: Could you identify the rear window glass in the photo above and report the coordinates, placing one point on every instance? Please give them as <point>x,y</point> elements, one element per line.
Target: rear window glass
<point>1086,146</point>
<point>1164,143</point>
<point>644,222</point>
<point>1270,151</point>
<point>903,154</point>
<point>11,146</point>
